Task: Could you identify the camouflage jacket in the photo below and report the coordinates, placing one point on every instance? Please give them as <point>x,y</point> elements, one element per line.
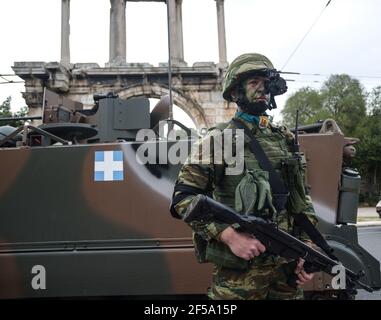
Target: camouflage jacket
<point>207,169</point>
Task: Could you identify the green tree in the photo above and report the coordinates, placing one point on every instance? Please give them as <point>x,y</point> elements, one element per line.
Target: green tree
<point>5,111</point>
<point>368,158</point>
<point>309,103</point>
<point>344,99</point>
<point>341,98</point>
<point>5,108</point>
<point>374,101</point>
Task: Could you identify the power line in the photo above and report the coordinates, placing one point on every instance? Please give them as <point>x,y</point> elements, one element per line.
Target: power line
<point>328,75</point>
<point>309,30</point>
<point>11,82</point>
<point>2,76</point>
<point>303,81</point>
<point>373,77</point>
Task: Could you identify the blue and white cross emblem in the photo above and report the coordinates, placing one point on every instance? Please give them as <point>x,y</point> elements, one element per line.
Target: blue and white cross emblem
<point>108,166</point>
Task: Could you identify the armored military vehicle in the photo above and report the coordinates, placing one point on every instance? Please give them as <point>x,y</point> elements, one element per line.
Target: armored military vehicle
<point>84,207</point>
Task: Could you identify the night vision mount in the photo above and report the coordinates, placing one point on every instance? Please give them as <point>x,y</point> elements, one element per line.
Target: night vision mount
<point>275,85</point>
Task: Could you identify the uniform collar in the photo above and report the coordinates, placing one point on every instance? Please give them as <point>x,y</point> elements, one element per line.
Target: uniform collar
<point>261,121</point>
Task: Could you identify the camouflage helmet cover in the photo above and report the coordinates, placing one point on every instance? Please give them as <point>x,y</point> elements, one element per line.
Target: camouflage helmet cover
<point>242,66</point>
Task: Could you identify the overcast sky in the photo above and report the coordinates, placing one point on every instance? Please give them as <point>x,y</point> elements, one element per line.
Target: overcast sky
<point>346,39</point>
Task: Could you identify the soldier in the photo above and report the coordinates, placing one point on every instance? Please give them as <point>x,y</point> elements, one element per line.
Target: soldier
<point>242,267</point>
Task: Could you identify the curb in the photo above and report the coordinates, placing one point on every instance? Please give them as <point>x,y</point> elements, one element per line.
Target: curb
<point>368,223</point>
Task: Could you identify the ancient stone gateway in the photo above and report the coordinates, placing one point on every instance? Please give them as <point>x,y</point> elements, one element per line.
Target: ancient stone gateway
<point>196,89</point>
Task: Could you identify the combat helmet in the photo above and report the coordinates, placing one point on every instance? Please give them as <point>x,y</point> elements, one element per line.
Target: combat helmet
<point>243,66</point>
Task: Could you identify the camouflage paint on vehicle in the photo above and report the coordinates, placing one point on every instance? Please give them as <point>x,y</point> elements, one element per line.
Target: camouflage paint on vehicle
<point>117,238</point>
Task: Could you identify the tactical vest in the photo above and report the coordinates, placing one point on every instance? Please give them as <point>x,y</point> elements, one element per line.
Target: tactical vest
<point>275,145</point>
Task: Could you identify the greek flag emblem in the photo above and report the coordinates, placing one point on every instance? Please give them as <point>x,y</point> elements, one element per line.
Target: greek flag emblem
<point>108,166</point>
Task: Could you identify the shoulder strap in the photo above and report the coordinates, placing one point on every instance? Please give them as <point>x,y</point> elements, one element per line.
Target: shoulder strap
<point>303,222</point>
<point>280,191</point>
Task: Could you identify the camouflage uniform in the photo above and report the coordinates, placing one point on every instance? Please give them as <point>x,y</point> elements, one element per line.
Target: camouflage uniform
<point>265,276</point>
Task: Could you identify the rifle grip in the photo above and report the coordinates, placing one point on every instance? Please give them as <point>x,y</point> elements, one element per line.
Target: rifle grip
<point>291,281</point>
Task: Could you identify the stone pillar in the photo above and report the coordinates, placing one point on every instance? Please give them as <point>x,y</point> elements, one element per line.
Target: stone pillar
<point>117,32</point>
<point>174,32</point>
<point>65,32</point>
<point>221,32</point>
<point>179,22</point>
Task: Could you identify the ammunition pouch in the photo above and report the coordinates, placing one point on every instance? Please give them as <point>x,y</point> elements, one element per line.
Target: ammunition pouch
<point>246,193</point>
<point>293,171</point>
<point>253,194</point>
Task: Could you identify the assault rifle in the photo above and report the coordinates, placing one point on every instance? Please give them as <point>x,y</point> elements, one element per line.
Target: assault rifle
<point>276,241</point>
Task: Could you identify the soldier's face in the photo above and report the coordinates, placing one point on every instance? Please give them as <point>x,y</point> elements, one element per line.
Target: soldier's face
<point>255,90</point>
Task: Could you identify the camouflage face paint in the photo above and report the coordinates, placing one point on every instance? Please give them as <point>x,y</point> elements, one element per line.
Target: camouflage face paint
<point>254,88</point>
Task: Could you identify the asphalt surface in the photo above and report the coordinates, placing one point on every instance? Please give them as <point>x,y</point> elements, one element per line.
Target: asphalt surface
<point>370,239</point>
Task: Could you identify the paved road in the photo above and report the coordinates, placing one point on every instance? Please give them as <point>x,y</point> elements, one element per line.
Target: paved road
<point>370,239</point>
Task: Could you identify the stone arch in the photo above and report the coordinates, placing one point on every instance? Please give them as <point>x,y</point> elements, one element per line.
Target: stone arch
<point>187,104</point>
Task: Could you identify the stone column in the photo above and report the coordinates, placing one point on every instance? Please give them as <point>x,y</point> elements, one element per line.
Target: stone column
<point>174,32</point>
<point>179,22</point>
<point>65,32</point>
<point>221,32</point>
<point>117,32</point>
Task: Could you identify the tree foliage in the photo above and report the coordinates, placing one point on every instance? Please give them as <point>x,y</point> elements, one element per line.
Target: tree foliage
<point>357,113</point>
<point>5,112</point>
<point>308,101</point>
<point>344,100</point>
<point>368,158</point>
<point>5,108</point>
<point>374,101</point>
<point>341,98</point>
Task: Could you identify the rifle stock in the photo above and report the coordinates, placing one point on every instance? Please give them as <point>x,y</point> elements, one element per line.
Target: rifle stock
<point>276,241</point>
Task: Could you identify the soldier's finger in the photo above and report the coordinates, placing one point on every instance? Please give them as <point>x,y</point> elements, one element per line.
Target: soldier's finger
<point>246,256</point>
<point>306,275</point>
<point>260,246</point>
<point>299,267</point>
<point>255,252</point>
<point>302,277</point>
<point>301,262</point>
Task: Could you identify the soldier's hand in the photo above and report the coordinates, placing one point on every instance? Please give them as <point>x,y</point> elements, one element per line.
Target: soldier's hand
<point>242,245</point>
<point>303,276</point>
